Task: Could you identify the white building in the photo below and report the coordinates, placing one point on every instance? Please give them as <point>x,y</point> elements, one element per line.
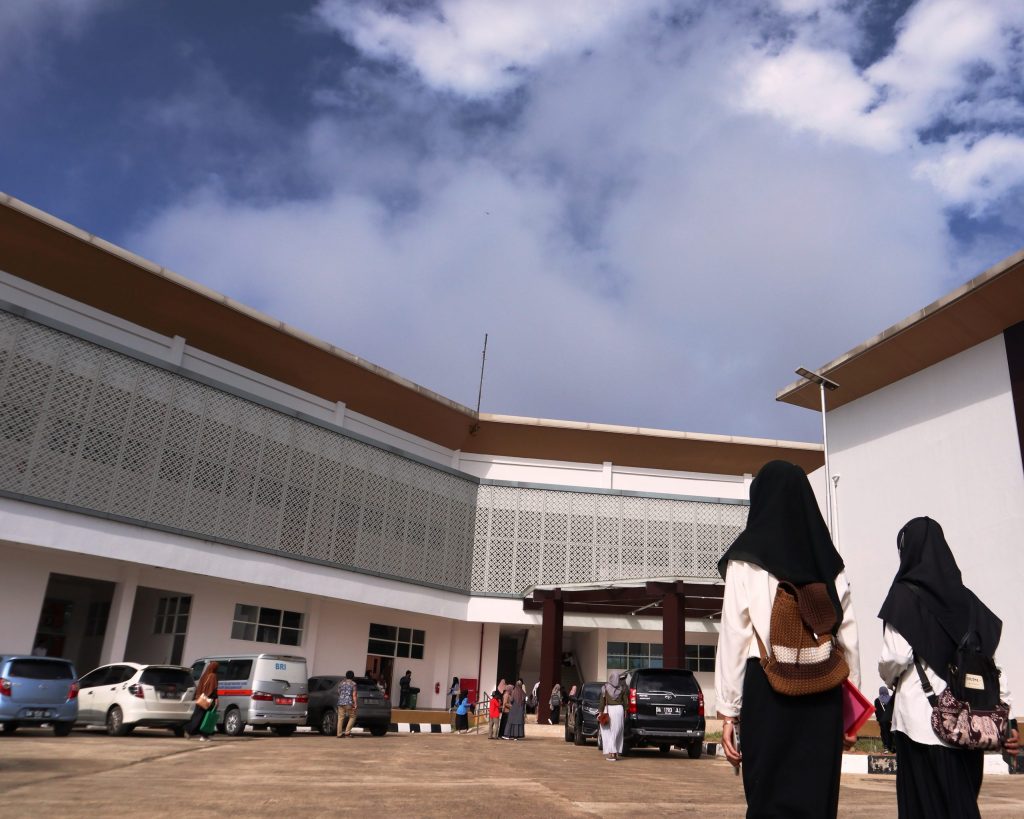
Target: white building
<point>929,421</point>
<point>181,475</point>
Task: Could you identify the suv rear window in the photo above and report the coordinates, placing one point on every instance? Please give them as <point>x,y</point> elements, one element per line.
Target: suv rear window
<point>41,670</point>
<point>677,682</point>
<point>167,676</point>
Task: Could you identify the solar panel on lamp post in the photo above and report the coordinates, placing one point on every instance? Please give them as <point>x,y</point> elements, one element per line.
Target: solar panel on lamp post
<point>823,384</point>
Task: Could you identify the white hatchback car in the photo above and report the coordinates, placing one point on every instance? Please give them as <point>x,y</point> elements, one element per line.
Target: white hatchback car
<point>125,695</point>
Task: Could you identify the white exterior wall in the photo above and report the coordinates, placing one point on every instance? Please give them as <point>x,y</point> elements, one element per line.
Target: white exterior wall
<point>940,443</point>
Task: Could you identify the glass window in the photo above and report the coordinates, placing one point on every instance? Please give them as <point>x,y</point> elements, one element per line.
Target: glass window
<point>392,641</point>
<point>382,632</point>
<point>264,625</point>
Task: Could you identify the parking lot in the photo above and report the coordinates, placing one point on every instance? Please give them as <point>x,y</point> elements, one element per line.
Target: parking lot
<point>151,772</point>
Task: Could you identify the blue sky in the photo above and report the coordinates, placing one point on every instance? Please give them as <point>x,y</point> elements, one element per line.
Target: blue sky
<point>656,209</point>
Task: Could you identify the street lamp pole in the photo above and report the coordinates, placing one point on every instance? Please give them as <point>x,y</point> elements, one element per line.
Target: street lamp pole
<point>823,384</point>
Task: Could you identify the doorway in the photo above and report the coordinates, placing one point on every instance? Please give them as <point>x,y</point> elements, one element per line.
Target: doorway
<point>73,620</point>
<point>381,669</point>
<point>159,626</point>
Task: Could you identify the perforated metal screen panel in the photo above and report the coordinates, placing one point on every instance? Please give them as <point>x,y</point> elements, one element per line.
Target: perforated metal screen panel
<point>91,428</point>
<point>530,537</point>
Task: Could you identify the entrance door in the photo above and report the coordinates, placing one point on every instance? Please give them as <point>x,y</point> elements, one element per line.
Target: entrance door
<point>73,619</point>
<point>381,669</point>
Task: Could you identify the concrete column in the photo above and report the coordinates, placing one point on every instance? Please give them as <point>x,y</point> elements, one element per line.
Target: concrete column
<point>119,622</point>
<point>311,633</point>
<point>550,651</point>
<point>673,624</point>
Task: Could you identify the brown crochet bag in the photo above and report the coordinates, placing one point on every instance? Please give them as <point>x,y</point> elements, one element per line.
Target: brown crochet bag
<point>805,657</point>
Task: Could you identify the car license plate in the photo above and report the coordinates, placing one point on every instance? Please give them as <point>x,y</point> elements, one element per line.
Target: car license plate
<point>668,710</point>
<point>168,693</point>
<point>282,700</point>
<point>36,713</point>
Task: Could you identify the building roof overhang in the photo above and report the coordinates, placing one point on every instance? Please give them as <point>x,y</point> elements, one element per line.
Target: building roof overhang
<point>60,257</point>
<point>631,598</point>
<point>982,308</point>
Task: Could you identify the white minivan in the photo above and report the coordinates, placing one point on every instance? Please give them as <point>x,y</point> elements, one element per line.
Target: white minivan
<point>260,690</point>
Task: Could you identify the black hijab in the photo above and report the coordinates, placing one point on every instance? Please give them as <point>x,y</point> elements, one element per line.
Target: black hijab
<point>936,617</point>
<point>785,533</point>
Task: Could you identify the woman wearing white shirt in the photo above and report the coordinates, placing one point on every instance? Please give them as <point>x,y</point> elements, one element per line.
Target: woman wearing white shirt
<point>926,602</point>
<point>791,746</point>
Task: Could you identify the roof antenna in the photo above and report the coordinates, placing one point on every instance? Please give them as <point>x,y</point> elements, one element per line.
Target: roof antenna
<point>473,430</point>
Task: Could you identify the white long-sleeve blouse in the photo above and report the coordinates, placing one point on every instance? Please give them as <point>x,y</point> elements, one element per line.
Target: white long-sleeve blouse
<point>746,608</point>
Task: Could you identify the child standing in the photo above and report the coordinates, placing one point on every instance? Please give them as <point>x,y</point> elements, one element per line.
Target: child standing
<point>494,714</point>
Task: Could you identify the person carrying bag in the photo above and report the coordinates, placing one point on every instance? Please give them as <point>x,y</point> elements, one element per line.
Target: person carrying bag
<point>951,701</point>
<point>206,704</point>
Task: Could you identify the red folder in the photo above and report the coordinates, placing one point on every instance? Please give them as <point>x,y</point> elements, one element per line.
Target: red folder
<point>856,708</point>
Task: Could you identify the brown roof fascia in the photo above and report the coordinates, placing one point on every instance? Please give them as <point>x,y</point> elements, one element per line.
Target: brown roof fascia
<point>982,308</point>
<point>53,254</point>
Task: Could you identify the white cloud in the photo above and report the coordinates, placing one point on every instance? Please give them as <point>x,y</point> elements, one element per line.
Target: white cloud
<point>977,174</point>
<point>820,91</point>
<point>479,47</point>
<point>640,252</point>
<point>954,69</point>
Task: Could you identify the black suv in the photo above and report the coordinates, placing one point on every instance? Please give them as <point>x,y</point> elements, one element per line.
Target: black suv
<point>373,712</point>
<point>582,724</point>
<point>666,708</point>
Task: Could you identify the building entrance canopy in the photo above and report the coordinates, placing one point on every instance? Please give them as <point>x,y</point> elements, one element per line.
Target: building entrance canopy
<point>673,600</point>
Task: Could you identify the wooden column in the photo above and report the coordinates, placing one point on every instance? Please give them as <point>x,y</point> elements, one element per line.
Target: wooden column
<point>673,626</point>
<point>550,649</point>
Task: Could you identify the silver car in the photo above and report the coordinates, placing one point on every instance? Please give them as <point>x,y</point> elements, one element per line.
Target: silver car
<point>37,690</point>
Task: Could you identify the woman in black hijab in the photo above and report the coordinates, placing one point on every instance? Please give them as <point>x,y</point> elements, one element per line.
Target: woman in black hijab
<point>791,746</point>
<point>926,606</point>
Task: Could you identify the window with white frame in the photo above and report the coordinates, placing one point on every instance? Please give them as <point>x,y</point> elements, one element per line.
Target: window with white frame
<point>627,656</point>
<point>265,625</point>
<point>392,641</point>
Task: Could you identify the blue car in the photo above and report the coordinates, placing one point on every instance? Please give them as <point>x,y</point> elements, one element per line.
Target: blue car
<point>37,690</point>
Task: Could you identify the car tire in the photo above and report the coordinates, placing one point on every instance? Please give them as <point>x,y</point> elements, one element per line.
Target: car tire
<point>178,730</point>
<point>10,727</point>
<point>664,748</point>
<point>115,722</point>
<point>568,736</point>
<point>379,730</point>
<point>283,730</point>
<point>328,723</point>
<point>62,729</point>
<point>695,749</point>
<point>577,735</point>
<point>234,725</point>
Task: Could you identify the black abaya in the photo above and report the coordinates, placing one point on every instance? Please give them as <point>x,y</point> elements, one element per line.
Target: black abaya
<point>792,750</point>
<point>936,782</point>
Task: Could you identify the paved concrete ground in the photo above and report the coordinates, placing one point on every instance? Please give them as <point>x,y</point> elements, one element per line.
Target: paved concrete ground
<point>152,773</point>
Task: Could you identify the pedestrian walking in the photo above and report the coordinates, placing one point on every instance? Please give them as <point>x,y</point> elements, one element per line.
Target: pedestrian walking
<point>555,701</point>
<point>348,704</point>
<point>453,693</point>
<point>926,604</point>
<point>611,714</point>
<point>206,701</point>
<point>792,744</point>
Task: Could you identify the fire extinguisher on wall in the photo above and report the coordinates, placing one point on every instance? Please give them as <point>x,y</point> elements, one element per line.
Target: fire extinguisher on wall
<point>437,688</point>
